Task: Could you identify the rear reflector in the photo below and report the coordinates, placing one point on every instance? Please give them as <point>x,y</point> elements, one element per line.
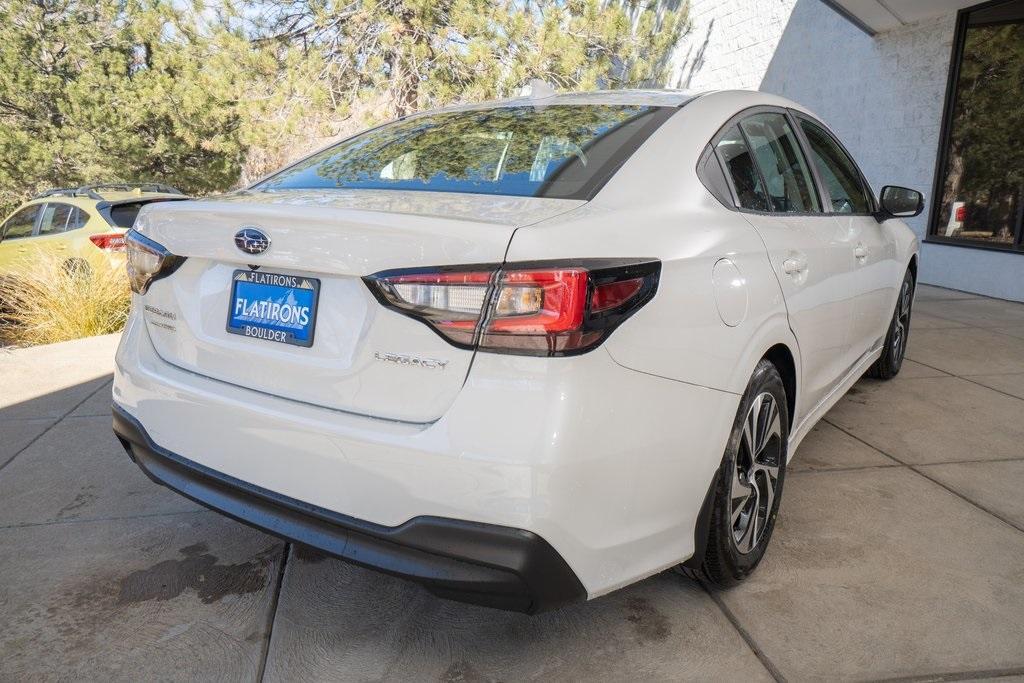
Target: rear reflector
<point>111,241</point>
<point>544,309</point>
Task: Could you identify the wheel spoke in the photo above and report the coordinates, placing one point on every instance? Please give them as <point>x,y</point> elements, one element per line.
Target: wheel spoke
<point>768,486</point>
<point>756,472</point>
<point>741,492</point>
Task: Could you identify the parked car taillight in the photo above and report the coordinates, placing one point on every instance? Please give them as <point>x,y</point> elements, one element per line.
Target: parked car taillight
<point>148,261</point>
<point>542,309</point>
<point>109,241</point>
<point>961,213</point>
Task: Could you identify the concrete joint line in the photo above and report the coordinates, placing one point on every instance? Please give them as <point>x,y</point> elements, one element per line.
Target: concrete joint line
<point>55,423</point>
<point>916,469</point>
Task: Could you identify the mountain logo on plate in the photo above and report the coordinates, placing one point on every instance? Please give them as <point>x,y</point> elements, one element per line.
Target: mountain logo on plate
<point>252,240</point>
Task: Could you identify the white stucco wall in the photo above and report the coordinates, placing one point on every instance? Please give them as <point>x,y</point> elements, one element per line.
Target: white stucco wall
<point>731,43</point>
<point>883,96</point>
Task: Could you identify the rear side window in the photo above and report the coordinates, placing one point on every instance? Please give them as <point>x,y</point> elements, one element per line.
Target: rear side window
<point>55,218</point>
<point>78,219</point>
<point>21,224</point>
<point>739,165</point>
<point>785,172</point>
<point>839,174</point>
<point>564,151</point>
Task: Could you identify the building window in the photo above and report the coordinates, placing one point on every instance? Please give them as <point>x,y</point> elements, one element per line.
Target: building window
<point>980,185</point>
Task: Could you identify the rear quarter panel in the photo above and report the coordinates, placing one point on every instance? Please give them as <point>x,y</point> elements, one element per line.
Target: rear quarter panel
<point>655,206</point>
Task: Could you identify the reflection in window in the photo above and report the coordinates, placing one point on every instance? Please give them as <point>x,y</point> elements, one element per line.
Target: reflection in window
<point>548,151</point>
<point>740,164</point>
<point>837,171</point>
<point>782,164</point>
<point>983,169</point>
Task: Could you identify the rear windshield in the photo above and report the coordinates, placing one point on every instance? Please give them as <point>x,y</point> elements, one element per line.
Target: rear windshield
<point>563,151</point>
<point>124,215</point>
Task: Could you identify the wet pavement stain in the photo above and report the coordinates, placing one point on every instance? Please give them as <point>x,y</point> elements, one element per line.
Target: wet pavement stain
<point>651,625</point>
<point>80,501</point>
<point>199,571</point>
<point>308,554</point>
<point>462,672</point>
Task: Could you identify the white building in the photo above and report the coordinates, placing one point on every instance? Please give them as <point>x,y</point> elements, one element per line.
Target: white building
<point>926,93</point>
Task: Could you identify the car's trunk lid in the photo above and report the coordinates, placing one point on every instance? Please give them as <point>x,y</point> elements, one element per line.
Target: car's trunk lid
<point>364,358</point>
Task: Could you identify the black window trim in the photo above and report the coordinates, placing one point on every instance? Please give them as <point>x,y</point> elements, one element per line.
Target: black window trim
<point>931,235</point>
<point>872,200</point>
<point>35,221</point>
<point>792,117</point>
<point>37,231</point>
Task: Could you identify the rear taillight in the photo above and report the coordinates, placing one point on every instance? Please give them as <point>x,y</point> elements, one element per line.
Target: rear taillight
<point>961,213</point>
<point>109,241</point>
<point>148,261</point>
<point>542,308</point>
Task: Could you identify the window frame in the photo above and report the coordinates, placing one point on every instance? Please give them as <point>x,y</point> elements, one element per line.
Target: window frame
<point>35,222</point>
<point>872,197</point>
<point>792,117</point>
<point>38,231</point>
<point>931,233</point>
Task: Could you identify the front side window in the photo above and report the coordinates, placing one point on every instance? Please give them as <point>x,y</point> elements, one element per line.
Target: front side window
<point>786,176</point>
<point>980,194</point>
<point>21,224</point>
<point>739,164</point>
<point>55,218</point>
<point>564,151</point>
<point>837,170</point>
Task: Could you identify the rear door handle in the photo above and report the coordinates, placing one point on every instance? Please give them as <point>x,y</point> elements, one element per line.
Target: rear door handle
<point>794,265</point>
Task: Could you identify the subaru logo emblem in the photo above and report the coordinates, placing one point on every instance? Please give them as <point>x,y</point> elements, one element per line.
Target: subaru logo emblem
<point>252,240</point>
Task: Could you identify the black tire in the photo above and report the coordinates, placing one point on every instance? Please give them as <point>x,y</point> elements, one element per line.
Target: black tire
<point>727,558</point>
<point>895,349</point>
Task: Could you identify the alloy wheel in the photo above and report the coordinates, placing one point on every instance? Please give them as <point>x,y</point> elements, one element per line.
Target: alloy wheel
<point>902,322</point>
<point>756,473</point>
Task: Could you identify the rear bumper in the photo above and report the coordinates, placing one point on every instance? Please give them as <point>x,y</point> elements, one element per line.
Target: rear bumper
<point>484,564</point>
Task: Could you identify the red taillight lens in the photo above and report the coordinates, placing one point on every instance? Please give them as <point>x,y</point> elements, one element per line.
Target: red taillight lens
<point>449,301</point>
<point>540,309</point>
<point>112,241</point>
<point>961,213</point>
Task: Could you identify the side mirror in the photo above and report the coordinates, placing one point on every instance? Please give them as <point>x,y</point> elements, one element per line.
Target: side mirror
<point>900,202</point>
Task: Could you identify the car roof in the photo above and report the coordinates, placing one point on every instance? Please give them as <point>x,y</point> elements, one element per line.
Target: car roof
<point>106,198</point>
<point>640,97</point>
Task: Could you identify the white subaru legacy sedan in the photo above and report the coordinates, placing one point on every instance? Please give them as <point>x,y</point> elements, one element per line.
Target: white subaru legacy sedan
<point>523,352</point>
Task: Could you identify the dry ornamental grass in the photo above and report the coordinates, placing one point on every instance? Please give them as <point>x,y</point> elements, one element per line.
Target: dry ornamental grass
<point>53,300</point>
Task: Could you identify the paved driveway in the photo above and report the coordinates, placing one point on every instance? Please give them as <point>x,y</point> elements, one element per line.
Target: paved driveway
<point>899,552</point>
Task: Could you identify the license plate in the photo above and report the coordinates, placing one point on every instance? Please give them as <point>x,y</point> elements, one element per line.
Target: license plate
<point>280,308</point>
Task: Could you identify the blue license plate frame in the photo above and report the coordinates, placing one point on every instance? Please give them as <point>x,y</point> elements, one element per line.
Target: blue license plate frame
<point>274,307</point>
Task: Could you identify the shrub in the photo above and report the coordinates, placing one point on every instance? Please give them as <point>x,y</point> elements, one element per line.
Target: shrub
<point>54,299</point>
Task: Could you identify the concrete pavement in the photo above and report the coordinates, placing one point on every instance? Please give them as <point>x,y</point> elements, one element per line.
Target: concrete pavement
<point>899,553</point>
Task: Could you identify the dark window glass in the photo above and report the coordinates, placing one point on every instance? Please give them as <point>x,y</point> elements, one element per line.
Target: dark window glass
<point>55,218</point>
<point>544,151</point>
<point>782,164</point>
<point>78,219</point>
<point>21,224</point>
<point>732,149</point>
<point>124,215</point>
<point>981,195</point>
<point>837,170</point>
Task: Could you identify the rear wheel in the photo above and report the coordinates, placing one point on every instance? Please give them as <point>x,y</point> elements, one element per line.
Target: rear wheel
<point>889,363</point>
<point>750,479</point>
